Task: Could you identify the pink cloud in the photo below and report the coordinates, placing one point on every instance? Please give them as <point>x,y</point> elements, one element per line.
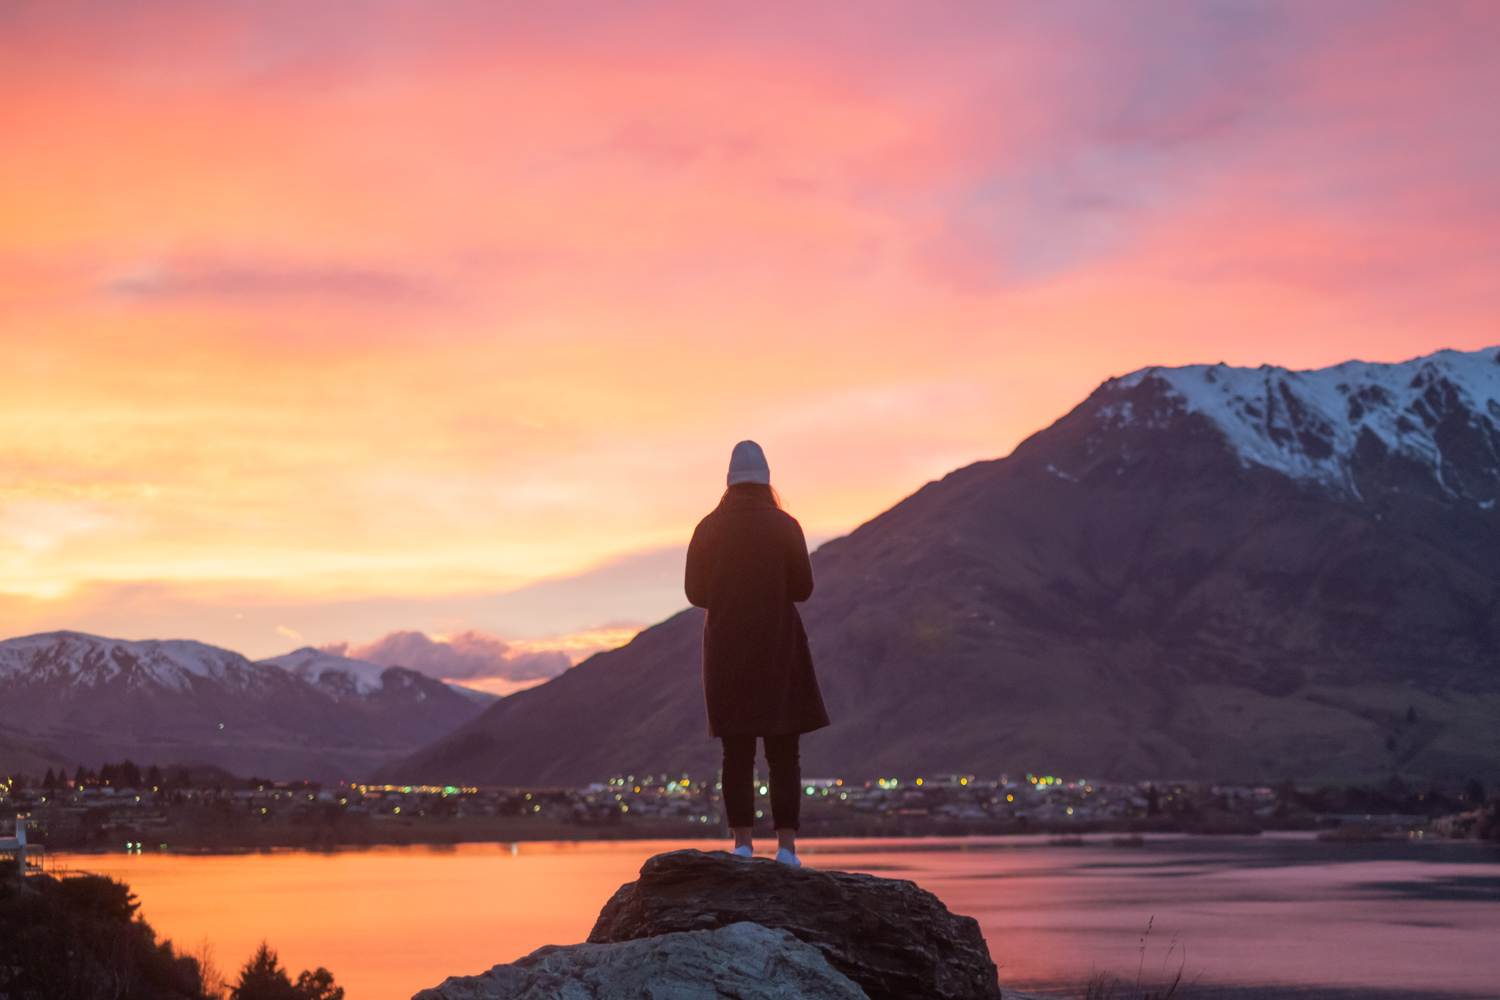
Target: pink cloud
<point>465,656</point>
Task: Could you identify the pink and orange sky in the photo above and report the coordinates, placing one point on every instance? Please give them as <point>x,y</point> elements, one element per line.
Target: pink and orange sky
<point>327,321</point>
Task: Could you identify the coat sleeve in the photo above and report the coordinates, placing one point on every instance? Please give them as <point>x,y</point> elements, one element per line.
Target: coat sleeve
<point>696,578</point>
<point>799,566</point>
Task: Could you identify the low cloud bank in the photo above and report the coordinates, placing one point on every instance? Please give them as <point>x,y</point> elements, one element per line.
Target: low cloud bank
<point>465,656</point>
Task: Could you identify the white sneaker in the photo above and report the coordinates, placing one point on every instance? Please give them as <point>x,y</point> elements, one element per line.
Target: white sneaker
<point>743,851</point>
<point>787,857</point>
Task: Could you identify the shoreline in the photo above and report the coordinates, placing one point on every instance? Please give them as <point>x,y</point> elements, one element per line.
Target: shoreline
<point>810,845</point>
<point>564,833</point>
<point>67,828</point>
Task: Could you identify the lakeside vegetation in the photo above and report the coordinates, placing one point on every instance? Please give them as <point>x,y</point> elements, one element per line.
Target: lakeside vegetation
<point>81,937</point>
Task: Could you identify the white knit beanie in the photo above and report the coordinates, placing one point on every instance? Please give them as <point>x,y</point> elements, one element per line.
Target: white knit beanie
<point>747,464</point>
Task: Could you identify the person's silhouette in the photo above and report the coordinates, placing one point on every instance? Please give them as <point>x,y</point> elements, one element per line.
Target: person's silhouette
<point>747,565</point>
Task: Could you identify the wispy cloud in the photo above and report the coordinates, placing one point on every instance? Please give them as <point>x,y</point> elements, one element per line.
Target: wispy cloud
<point>261,617</point>
<point>251,281</point>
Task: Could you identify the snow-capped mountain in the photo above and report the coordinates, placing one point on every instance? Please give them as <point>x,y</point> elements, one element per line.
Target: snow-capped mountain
<point>340,676</point>
<point>1199,572</point>
<point>345,678</point>
<point>410,705</point>
<point>89,699</point>
<point>1436,416</point>
<point>74,659</point>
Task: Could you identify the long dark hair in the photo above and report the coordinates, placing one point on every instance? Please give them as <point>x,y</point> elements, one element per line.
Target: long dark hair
<point>763,490</point>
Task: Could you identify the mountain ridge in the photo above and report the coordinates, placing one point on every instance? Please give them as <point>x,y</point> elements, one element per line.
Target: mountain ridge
<point>87,698</point>
<point>1309,423</point>
<point>1125,595</point>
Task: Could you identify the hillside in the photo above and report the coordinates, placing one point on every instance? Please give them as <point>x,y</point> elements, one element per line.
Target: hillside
<point>74,698</point>
<point>1198,572</point>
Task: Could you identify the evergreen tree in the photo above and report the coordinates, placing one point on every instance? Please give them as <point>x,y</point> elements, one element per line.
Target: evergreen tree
<point>49,781</point>
<point>263,978</point>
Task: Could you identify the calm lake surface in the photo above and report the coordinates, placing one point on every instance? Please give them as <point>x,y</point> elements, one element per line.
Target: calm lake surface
<point>1271,916</point>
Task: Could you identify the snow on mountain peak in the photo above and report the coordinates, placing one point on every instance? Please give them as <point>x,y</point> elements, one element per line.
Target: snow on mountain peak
<point>1307,424</point>
<point>343,676</point>
<point>360,677</point>
<point>82,658</point>
<point>77,659</point>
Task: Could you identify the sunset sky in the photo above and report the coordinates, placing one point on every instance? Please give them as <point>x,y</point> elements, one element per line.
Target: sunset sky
<point>324,321</point>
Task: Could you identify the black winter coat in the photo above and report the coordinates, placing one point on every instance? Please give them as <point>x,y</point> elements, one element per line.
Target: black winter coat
<point>746,564</point>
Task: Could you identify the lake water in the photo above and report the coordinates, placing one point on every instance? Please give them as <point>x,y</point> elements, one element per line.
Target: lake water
<point>1270,916</point>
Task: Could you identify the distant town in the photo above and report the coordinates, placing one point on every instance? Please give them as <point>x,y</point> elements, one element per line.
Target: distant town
<point>122,807</point>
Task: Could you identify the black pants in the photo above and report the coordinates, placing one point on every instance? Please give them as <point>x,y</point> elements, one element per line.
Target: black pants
<point>738,780</point>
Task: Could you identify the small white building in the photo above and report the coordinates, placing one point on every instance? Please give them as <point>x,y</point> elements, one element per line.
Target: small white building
<point>20,856</point>
<point>12,849</point>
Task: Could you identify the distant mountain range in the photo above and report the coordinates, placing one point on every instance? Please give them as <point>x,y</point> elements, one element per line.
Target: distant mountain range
<point>1200,572</point>
<point>70,698</point>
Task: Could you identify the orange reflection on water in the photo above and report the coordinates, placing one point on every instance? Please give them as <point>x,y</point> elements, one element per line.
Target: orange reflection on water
<point>386,921</point>
<point>1414,919</point>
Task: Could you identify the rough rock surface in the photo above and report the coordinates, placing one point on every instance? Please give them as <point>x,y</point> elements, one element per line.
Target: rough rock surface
<point>744,960</point>
<point>893,938</point>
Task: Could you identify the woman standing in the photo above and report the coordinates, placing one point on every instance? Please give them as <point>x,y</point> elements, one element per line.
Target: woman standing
<point>747,564</point>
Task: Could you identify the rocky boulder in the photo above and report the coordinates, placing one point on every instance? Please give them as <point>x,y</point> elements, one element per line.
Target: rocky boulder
<point>743,960</point>
<point>896,940</point>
